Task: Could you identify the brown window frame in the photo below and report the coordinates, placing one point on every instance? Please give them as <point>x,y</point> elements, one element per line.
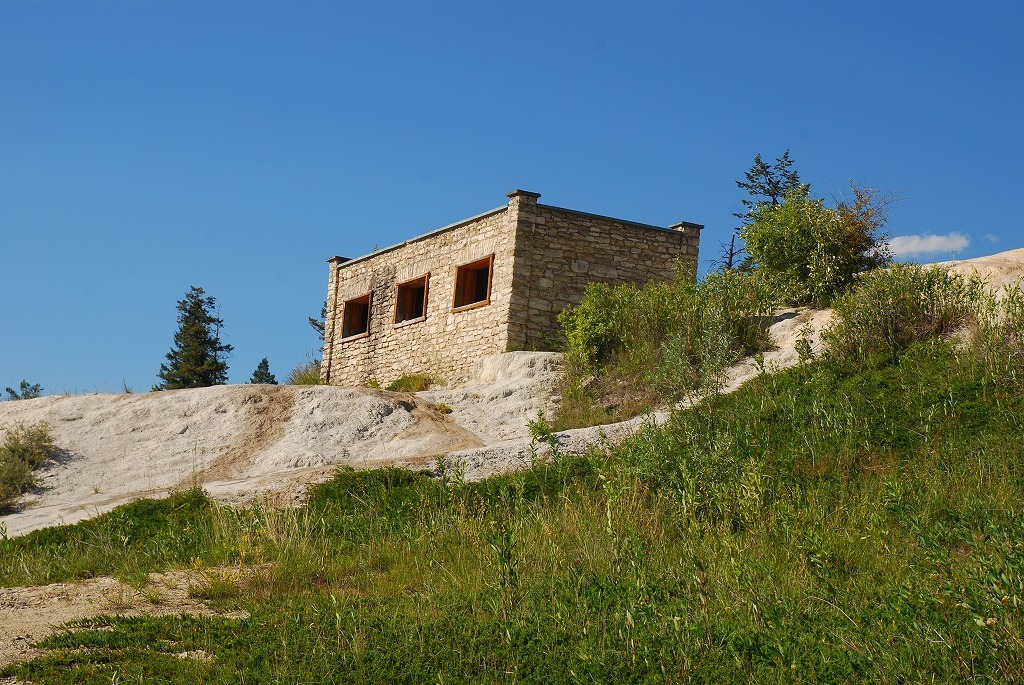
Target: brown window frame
<point>472,266</point>
<point>364,300</point>
<point>425,279</point>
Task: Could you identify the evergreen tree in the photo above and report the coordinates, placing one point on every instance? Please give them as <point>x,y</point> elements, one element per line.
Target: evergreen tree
<point>26,391</point>
<point>319,324</point>
<point>262,374</point>
<point>197,359</point>
<point>769,184</point>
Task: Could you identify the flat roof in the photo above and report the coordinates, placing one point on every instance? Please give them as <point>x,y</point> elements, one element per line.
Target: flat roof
<point>344,261</point>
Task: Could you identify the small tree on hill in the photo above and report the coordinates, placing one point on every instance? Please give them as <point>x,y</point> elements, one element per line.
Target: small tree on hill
<point>25,391</point>
<point>811,253</point>
<point>769,184</point>
<point>262,375</point>
<point>197,359</point>
<point>766,185</point>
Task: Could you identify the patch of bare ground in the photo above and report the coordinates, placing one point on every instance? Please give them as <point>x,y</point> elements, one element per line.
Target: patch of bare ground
<point>269,409</point>
<point>33,613</point>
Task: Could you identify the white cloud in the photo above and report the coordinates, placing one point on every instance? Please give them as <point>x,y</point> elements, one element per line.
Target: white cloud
<point>991,237</point>
<point>911,245</point>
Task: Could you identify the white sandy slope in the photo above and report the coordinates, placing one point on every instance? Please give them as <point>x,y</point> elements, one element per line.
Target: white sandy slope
<point>997,270</point>
<point>245,441</point>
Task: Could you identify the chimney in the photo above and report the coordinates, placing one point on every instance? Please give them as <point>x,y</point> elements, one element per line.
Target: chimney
<point>522,198</point>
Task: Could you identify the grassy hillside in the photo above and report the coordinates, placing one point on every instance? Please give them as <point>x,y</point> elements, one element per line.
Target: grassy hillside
<point>856,518</point>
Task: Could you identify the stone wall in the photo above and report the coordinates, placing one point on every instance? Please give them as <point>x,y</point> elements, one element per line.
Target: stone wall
<point>559,251</point>
<point>543,259</point>
<point>444,342</point>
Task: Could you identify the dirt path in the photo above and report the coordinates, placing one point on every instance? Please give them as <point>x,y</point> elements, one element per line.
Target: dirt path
<point>33,613</point>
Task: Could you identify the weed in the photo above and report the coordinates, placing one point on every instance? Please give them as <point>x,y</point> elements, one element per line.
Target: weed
<point>541,432</point>
<point>217,584</point>
<point>412,382</point>
<point>24,449</point>
<point>306,373</point>
<point>803,348</point>
<point>895,307</point>
<point>630,349</point>
<point>152,595</point>
<point>121,599</point>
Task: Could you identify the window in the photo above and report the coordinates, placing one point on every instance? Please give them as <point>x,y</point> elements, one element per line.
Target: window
<point>473,283</point>
<point>355,319</point>
<point>411,300</point>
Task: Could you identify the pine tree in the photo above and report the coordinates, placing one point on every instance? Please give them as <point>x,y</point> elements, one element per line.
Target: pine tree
<point>26,391</point>
<point>197,359</point>
<point>262,374</point>
<point>769,184</point>
<point>319,324</point>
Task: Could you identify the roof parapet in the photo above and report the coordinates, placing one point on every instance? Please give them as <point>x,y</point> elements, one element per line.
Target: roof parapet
<point>687,228</point>
<point>524,196</point>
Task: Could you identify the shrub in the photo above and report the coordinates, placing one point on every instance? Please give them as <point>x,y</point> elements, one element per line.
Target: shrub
<point>412,382</point>
<point>25,448</point>
<point>629,348</point>
<point>999,338</point>
<point>892,308</point>
<point>811,253</point>
<point>306,373</point>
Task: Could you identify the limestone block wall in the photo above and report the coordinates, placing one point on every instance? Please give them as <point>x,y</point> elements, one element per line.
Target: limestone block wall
<point>560,251</point>
<point>444,342</point>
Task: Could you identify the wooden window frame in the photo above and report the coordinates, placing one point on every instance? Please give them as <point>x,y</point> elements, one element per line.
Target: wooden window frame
<point>368,297</point>
<point>425,278</point>
<point>489,260</point>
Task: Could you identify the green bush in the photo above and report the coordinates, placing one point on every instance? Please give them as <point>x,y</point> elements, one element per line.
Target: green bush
<point>25,448</point>
<point>306,373</point>
<point>412,382</point>
<point>811,253</point>
<point>892,308</point>
<point>629,348</point>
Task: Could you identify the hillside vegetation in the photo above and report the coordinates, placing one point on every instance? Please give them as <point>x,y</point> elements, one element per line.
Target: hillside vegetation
<point>855,518</point>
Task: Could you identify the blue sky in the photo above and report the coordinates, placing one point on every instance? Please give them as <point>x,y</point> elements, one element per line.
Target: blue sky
<point>146,146</point>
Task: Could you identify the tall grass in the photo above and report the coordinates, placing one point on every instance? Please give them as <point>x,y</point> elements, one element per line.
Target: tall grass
<point>841,521</point>
<point>146,535</point>
<point>413,382</point>
<point>305,373</point>
<point>629,349</point>
<point>903,304</point>
<point>25,448</point>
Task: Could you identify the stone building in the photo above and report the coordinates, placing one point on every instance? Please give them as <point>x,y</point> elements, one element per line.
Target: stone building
<point>492,283</point>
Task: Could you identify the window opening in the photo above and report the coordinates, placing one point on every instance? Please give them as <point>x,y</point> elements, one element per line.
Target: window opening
<point>356,317</point>
<point>411,299</point>
<point>473,283</point>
